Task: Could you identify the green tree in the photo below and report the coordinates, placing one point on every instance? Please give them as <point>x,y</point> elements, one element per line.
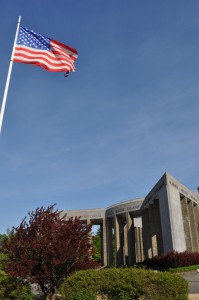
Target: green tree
<point>96,239</point>
<point>2,237</point>
<point>13,288</point>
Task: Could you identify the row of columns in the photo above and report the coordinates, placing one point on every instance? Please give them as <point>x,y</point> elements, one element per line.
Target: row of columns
<point>190,214</point>
<point>122,243</point>
<point>125,243</point>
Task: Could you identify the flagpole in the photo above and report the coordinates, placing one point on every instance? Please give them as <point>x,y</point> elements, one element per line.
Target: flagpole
<point>8,77</point>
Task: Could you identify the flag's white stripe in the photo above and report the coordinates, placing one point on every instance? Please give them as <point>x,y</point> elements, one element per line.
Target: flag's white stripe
<point>64,49</point>
<point>39,55</point>
<point>41,61</point>
<point>60,52</point>
<point>36,57</point>
<point>46,61</point>
<point>50,66</point>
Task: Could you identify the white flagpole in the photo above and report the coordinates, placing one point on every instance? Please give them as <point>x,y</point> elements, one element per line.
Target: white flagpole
<point>8,77</point>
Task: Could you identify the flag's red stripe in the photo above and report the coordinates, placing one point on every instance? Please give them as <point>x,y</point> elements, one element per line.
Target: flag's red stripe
<point>31,56</point>
<point>43,59</point>
<point>36,63</point>
<point>59,62</point>
<point>65,46</point>
<point>50,54</point>
<point>63,54</point>
<point>63,50</point>
<point>57,48</point>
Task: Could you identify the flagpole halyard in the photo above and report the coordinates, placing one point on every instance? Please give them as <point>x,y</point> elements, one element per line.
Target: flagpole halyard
<point>8,77</point>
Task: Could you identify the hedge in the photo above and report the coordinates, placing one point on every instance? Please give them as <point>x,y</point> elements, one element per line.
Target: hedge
<point>173,259</point>
<point>124,284</point>
<point>184,269</point>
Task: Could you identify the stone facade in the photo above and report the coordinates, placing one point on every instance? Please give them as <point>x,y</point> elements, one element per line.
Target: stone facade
<point>166,219</point>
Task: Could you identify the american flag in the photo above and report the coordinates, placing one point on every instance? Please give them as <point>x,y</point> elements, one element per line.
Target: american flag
<point>36,49</point>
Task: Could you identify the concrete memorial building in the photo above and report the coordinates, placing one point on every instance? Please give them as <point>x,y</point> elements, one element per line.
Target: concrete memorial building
<point>166,219</point>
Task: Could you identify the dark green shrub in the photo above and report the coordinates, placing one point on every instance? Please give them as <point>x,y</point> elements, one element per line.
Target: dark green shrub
<point>124,284</point>
<point>13,289</point>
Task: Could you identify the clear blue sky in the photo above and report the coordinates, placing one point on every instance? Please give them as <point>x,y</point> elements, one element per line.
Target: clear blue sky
<point>109,131</point>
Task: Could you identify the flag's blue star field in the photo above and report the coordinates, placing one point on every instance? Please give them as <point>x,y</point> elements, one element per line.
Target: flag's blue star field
<point>32,39</point>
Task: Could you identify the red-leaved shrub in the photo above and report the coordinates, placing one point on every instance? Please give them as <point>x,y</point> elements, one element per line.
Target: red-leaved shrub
<point>173,259</point>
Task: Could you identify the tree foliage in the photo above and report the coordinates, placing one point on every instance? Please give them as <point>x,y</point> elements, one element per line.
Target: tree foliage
<point>96,238</point>
<point>47,248</point>
<point>13,288</point>
<point>2,237</point>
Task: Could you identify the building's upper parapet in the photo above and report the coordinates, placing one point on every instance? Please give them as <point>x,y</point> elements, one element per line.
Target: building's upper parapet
<point>123,207</point>
<point>85,214</point>
<point>182,188</point>
<point>134,205</point>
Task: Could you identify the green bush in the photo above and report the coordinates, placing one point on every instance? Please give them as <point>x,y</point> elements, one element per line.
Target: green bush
<point>13,289</point>
<point>124,284</point>
<point>184,269</point>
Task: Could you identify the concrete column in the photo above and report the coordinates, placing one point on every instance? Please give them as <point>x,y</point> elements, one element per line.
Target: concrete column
<point>186,224</point>
<point>130,254</point>
<point>125,246</point>
<point>109,224</point>
<point>158,227</point>
<point>104,243</point>
<point>118,241</point>
<point>153,230</point>
<point>194,236</point>
<point>138,244</point>
<point>90,239</point>
<point>141,244</point>
<point>196,217</point>
<point>163,196</point>
<point>147,243</point>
